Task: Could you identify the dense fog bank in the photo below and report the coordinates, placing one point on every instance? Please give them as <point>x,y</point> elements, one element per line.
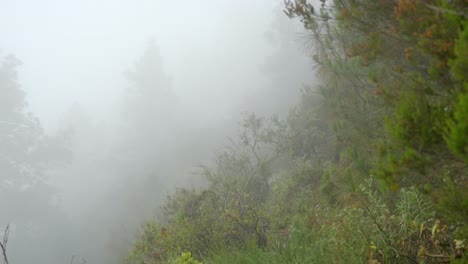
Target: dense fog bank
<point>105,107</point>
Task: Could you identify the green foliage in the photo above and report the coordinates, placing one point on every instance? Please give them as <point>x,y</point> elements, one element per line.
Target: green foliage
<point>185,258</point>
<point>457,138</point>
<point>459,64</point>
<point>458,126</point>
<point>414,122</point>
<point>363,229</point>
<point>147,249</point>
<point>453,201</point>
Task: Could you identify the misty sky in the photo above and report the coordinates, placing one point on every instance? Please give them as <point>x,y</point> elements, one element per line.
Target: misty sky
<point>76,51</point>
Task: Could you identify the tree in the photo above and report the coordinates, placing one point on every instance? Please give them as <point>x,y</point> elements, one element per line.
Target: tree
<point>20,131</point>
<point>149,96</point>
<point>21,140</point>
<point>26,155</point>
<point>287,67</point>
<point>148,112</point>
<point>392,74</point>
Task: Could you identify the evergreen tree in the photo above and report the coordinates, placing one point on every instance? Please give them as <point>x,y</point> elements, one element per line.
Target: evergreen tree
<point>27,201</point>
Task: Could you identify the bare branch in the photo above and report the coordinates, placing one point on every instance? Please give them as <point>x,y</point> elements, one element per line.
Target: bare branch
<point>3,244</point>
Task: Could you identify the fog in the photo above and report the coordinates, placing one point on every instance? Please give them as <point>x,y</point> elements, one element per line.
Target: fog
<point>107,106</point>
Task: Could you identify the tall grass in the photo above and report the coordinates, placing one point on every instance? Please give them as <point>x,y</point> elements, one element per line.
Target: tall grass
<point>364,229</point>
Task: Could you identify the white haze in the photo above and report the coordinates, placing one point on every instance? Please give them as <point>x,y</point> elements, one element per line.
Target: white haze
<point>76,51</point>
<point>221,58</point>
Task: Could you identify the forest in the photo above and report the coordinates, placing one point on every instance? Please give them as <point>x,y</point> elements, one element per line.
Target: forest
<point>367,162</point>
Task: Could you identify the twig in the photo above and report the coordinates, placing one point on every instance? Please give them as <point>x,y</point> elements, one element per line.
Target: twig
<point>83,260</point>
<point>3,244</point>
